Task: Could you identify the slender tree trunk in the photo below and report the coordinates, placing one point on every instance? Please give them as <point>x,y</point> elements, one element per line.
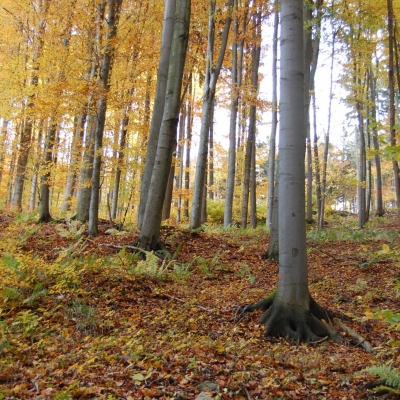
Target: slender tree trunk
<point>34,180</point>
<point>211,158</point>
<point>180,157</point>
<point>149,237</point>
<point>253,188</point>
<point>274,122</point>
<point>121,149</point>
<point>188,145</point>
<point>321,216</point>
<point>230,181</point>
<point>392,111</point>
<point>361,171</point>
<point>44,210</point>
<point>74,160</point>
<point>159,102</point>
<point>256,51</point>
<point>212,74</point>
<point>316,156</point>
<point>378,188</point>
<point>3,146</point>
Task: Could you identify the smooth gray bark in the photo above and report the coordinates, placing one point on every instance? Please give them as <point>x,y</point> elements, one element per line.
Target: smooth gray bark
<point>321,216</point>
<point>159,102</point>
<point>274,121</point>
<point>188,142</point>
<point>212,74</point>
<point>250,144</point>
<point>290,310</point>
<point>149,236</point>
<point>392,111</point>
<point>230,181</point>
<point>111,20</point>
<point>378,179</point>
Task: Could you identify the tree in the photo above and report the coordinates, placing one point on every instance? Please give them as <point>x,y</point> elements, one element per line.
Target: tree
<point>212,74</point>
<point>159,102</point>
<point>290,310</point>
<point>149,236</point>
<point>114,7</point>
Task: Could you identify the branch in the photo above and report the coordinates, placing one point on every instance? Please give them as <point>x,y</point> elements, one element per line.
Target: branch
<point>361,341</point>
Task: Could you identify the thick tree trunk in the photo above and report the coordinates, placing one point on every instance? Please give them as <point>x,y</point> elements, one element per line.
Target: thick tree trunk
<point>290,311</point>
<point>149,236</point>
<point>159,102</point>
<point>212,74</point>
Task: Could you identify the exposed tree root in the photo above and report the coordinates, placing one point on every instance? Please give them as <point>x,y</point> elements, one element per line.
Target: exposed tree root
<point>299,323</point>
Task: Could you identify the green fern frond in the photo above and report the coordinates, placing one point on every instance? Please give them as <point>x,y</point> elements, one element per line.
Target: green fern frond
<point>390,375</point>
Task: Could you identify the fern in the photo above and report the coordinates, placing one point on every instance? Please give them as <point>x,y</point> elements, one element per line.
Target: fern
<point>390,375</point>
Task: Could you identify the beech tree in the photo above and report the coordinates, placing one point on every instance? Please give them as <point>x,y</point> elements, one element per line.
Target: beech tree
<point>290,310</point>
<point>212,74</point>
<point>149,236</point>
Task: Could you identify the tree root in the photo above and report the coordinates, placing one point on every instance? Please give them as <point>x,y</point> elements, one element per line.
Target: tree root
<point>299,323</point>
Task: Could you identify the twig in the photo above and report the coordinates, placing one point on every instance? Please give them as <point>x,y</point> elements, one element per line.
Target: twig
<point>361,341</point>
<point>324,252</point>
<point>247,393</point>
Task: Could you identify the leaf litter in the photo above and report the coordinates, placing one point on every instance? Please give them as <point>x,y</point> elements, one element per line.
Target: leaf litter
<point>97,327</point>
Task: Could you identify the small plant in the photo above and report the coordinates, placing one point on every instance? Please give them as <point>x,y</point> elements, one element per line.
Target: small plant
<point>245,271</point>
<point>27,322</point>
<point>10,295</point>
<point>74,230</point>
<point>38,291</point>
<point>389,375</point>
<point>181,271</point>
<point>84,317</point>
<point>150,266</point>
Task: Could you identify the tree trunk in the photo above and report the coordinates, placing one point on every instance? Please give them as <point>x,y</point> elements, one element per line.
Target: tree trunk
<point>378,187</point>
<point>212,74</point>
<point>121,149</point>
<point>273,245</point>
<point>149,236</point>
<point>321,216</point>
<point>27,130</point>
<point>230,181</point>
<point>44,210</point>
<point>74,160</point>
<point>179,156</point>
<point>188,145</point>
<point>114,7</point>
<point>250,145</point>
<point>159,102</point>
<point>290,311</point>
<point>274,122</point>
<point>392,111</point>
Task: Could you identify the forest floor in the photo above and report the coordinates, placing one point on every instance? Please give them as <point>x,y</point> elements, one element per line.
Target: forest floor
<point>83,318</point>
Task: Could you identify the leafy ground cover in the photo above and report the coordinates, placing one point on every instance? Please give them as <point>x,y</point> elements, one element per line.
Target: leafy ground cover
<point>84,318</point>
